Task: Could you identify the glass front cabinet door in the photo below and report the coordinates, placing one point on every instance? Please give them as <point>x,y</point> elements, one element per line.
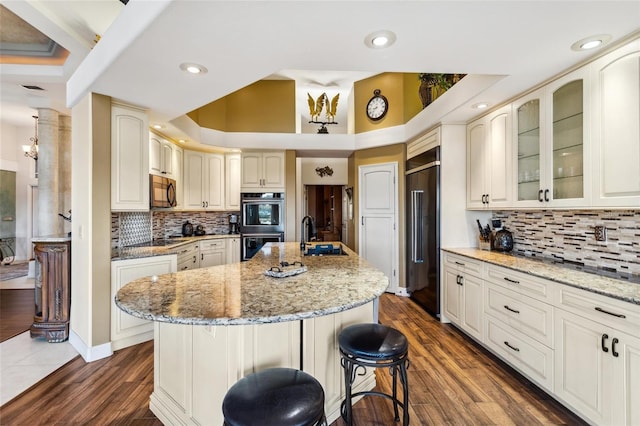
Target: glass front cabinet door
<point>567,141</point>
<point>551,145</point>
<point>528,130</point>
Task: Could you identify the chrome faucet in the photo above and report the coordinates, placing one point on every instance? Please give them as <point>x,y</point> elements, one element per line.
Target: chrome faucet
<point>312,230</point>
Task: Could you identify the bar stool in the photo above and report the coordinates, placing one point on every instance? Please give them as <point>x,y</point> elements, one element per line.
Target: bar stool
<point>376,346</point>
<point>277,397</point>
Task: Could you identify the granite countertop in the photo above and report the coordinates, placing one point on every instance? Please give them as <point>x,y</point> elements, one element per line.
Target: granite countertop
<point>172,245</point>
<point>628,291</point>
<point>240,293</point>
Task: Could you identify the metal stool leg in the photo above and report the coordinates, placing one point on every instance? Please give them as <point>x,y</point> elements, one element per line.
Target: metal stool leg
<point>394,373</point>
<point>345,410</point>
<point>405,392</point>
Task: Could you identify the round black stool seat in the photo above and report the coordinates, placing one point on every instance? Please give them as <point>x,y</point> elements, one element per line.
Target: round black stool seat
<point>372,341</point>
<point>374,346</point>
<point>275,396</point>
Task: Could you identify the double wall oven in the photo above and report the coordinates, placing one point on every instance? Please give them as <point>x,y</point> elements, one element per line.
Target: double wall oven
<point>262,221</point>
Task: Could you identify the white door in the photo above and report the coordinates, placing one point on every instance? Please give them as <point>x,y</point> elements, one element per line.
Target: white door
<point>378,207</point>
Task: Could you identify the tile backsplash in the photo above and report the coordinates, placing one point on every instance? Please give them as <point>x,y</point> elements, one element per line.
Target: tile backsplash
<point>129,228</point>
<point>570,235</point>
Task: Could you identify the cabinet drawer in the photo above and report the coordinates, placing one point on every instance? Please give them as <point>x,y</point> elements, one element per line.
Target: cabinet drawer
<point>532,358</point>
<point>210,245</point>
<point>537,288</point>
<point>611,312</point>
<point>529,316</point>
<point>463,264</point>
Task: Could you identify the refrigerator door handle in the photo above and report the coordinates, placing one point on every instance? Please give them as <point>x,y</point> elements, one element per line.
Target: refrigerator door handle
<point>417,231</point>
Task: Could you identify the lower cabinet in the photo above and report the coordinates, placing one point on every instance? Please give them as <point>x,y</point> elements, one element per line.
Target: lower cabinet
<point>597,363</point>
<point>194,366</point>
<point>233,250</point>
<point>127,330</point>
<point>213,253</point>
<point>581,347</point>
<point>188,257</point>
<point>463,294</point>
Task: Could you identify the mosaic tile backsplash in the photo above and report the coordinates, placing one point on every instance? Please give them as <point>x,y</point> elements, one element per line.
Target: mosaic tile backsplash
<point>129,228</point>
<point>569,235</point>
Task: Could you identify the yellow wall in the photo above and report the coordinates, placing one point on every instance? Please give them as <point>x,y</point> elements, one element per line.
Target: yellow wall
<point>412,103</point>
<point>267,106</point>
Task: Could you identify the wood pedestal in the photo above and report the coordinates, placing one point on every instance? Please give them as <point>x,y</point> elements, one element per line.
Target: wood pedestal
<point>52,291</point>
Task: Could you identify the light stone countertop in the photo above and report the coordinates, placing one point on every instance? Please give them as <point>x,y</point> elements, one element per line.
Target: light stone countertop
<point>138,251</point>
<point>611,287</point>
<point>240,293</point>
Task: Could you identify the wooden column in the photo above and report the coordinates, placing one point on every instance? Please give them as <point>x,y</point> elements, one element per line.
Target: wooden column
<point>53,291</point>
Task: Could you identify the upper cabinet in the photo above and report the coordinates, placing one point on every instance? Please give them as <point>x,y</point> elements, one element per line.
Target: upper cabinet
<point>204,181</point>
<point>162,160</point>
<point>129,159</point>
<point>489,161</point>
<point>551,145</point>
<point>263,172</point>
<point>615,128</point>
<point>233,176</point>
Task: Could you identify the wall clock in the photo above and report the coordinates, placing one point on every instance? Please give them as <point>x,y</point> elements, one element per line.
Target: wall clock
<point>377,106</point>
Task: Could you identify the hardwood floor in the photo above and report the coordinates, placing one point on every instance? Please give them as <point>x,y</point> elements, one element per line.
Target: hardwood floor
<point>452,381</point>
<point>16,312</point>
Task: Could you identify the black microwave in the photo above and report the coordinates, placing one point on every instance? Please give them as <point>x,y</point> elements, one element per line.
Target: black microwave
<point>162,192</point>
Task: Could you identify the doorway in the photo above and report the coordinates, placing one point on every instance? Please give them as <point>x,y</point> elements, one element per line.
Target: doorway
<point>324,203</point>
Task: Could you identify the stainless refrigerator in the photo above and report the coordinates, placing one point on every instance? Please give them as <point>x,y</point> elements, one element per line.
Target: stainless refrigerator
<point>423,230</point>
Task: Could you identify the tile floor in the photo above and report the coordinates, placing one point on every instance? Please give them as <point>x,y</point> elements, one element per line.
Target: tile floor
<point>25,361</point>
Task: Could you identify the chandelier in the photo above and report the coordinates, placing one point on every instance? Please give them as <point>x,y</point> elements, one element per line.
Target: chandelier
<point>32,150</point>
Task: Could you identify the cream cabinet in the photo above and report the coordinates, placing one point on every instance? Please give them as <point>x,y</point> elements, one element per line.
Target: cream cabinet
<point>178,159</point>
<point>233,250</point>
<point>188,256</point>
<point>489,162</point>
<point>551,144</point>
<point>233,176</point>
<point>463,293</point>
<point>213,252</point>
<point>320,346</point>
<point>161,156</point>
<point>129,159</point>
<point>127,330</point>
<point>263,171</point>
<point>204,181</point>
<point>615,128</point>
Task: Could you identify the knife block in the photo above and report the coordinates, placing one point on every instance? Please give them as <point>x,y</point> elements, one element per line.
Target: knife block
<point>485,244</point>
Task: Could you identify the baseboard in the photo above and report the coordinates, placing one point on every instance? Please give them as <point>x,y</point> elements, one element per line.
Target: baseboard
<point>125,342</point>
<point>402,291</point>
<point>89,354</point>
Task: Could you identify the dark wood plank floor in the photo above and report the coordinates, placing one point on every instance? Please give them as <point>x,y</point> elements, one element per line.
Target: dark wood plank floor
<point>16,312</point>
<point>452,381</point>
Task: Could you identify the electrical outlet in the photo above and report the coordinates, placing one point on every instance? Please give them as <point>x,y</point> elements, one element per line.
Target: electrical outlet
<point>600,232</point>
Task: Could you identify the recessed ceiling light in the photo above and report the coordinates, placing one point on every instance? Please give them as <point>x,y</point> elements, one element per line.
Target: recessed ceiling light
<point>158,126</point>
<point>193,68</point>
<point>182,141</point>
<point>480,105</point>
<point>380,39</point>
<point>591,42</point>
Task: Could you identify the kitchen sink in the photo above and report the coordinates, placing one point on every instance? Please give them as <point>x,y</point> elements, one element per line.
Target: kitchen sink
<point>325,250</point>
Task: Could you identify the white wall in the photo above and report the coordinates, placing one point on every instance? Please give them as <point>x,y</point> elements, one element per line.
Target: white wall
<point>310,177</point>
<point>12,158</point>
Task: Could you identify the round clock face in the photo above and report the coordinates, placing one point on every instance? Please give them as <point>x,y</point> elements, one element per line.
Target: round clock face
<point>377,107</point>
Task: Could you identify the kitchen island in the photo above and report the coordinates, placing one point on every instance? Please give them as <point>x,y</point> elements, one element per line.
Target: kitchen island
<point>215,325</point>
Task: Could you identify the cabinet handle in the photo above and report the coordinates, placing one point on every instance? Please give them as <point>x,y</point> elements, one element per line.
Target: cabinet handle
<point>203,204</point>
<point>459,263</point>
<point>362,220</point>
<point>482,198</point>
<point>195,259</point>
<point>201,256</point>
<point>599,309</point>
<point>546,195</point>
<point>185,267</point>
<point>511,281</point>
<point>540,195</point>
<point>486,198</point>
<point>207,204</point>
<point>603,342</point>
<point>512,347</point>
<point>613,346</point>
<point>512,310</point>
<point>459,281</point>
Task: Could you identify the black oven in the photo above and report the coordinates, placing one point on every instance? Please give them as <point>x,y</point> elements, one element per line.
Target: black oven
<point>252,243</point>
<point>262,213</point>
